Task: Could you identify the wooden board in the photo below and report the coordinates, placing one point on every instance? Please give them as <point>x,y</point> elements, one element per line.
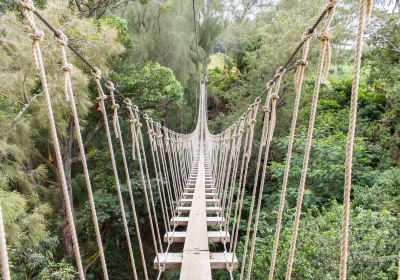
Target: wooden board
<point>211,221</point>
<point>213,236</point>
<point>216,260</point>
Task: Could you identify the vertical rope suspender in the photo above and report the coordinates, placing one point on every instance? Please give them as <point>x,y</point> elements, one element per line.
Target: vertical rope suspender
<point>5,269</point>
<point>36,36</point>
<point>364,14</point>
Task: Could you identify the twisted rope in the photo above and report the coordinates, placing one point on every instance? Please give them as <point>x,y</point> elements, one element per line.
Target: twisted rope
<point>364,14</point>
<point>69,94</point>
<point>36,36</point>
<point>319,76</point>
<point>300,64</point>
<point>97,76</point>
<point>5,270</point>
<point>274,99</point>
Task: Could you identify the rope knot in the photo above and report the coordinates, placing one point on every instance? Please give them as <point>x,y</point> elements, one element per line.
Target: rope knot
<point>110,85</point>
<point>265,109</point>
<point>324,36</point>
<point>38,35</point>
<point>61,38</point>
<point>270,84</point>
<point>116,106</point>
<point>308,34</point>
<point>27,4</point>
<point>96,73</point>
<point>301,62</point>
<point>104,97</point>
<point>67,67</point>
<point>331,4</point>
<point>281,70</point>
<point>128,102</point>
<point>274,96</point>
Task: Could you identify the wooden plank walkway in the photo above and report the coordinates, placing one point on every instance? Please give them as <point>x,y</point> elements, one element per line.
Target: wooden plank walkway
<point>198,207</point>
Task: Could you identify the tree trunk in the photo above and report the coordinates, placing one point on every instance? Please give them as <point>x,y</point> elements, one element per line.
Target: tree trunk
<point>79,6</point>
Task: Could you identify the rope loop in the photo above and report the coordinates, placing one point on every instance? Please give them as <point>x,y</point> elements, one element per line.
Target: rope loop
<point>270,84</point>
<point>280,72</point>
<point>324,36</point>
<point>67,67</point>
<point>274,96</point>
<point>37,35</point>
<point>331,4</point>
<point>27,4</point>
<point>265,109</point>
<point>104,97</point>
<point>308,34</point>
<point>128,102</point>
<point>96,73</point>
<point>61,38</point>
<point>301,63</point>
<point>110,85</point>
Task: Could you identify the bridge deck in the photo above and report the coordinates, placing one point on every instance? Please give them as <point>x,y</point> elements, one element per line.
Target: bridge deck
<point>196,254</point>
<point>196,261</point>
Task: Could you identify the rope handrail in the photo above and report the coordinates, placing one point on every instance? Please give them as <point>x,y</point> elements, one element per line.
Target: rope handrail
<point>57,32</point>
<point>174,154</point>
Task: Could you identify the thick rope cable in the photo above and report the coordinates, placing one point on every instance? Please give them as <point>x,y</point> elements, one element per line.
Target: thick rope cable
<point>324,37</point>
<point>398,267</point>
<point>235,228</point>
<point>165,168</point>
<point>163,178</point>
<point>274,99</point>
<point>264,133</point>
<point>69,94</point>
<point>364,14</point>
<point>118,135</point>
<point>225,182</point>
<point>150,133</point>
<point>133,115</point>
<point>148,190</point>
<point>232,187</point>
<point>167,139</point>
<point>5,269</point>
<point>250,124</point>
<point>36,36</point>
<point>97,76</point>
<point>298,80</point>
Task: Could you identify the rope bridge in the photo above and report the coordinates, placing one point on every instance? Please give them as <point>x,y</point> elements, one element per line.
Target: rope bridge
<point>201,178</point>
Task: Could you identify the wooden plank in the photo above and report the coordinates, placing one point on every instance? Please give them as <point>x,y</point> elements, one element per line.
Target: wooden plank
<point>208,195</point>
<point>206,190</point>
<point>196,265</point>
<point>209,201</point>
<point>216,260</point>
<point>196,256</point>
<point>209,209</point>
<point>211,221</point>
<point>213,236</point>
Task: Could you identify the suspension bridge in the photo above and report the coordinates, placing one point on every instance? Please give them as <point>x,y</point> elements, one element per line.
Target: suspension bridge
<point>201,178</point>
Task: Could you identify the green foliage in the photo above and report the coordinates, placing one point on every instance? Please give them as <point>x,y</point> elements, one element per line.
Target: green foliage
<point>121,26</point>
<point>152,87</point>
<point>40,262</point>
